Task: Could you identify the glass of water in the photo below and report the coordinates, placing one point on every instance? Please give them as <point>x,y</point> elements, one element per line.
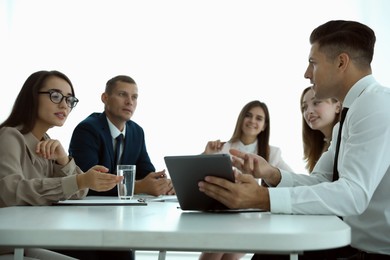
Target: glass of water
<point>126,186</point>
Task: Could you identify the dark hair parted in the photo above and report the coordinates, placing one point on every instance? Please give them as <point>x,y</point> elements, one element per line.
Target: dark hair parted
<point>263,137</point>
<point>110,85</point>
<point>339,36</point>
<point>25,110</point>
<point>313,140</point>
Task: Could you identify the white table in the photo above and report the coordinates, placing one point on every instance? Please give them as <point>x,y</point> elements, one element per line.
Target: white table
<point>163,226</point>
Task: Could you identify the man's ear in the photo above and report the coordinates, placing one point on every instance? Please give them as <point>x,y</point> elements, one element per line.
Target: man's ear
<point>343,60</point>
<point>104,97</point>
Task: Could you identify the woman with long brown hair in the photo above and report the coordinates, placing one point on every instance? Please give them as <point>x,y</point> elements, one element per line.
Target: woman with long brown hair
<point>35,169</point>
<point>318,119</point>
<point>251,135</point>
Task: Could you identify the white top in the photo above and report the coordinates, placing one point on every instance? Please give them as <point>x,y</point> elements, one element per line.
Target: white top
<point>161,225</point>
<point>275,156</point>
<point>362,194</point>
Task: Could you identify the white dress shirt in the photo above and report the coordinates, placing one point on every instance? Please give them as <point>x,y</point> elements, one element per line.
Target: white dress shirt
<point>275,154</point>
<point>362,193</point>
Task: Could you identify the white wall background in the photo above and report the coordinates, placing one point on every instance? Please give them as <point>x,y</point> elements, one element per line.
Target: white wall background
<point>196,62</point>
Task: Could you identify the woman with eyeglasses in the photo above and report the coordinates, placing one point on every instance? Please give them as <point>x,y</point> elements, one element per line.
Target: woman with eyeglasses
<point>35,169</point>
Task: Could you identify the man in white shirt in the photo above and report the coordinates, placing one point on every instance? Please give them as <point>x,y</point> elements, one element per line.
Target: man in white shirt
<point>358,190</point>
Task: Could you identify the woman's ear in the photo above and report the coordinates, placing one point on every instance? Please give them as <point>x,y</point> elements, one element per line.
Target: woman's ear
<point>338,107</point>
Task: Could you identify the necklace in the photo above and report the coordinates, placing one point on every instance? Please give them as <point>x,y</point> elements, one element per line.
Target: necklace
<point>327,140</point>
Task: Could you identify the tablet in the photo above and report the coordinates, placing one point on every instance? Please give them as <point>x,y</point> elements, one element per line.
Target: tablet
<point>187,170</point>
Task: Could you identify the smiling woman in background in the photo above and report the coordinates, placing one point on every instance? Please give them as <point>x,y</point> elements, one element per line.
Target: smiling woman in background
<point>318,119</point>
<point>35,169</point>
<point>251,135</point>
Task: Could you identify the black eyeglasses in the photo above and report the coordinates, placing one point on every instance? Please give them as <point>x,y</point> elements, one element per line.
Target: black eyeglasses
<point>57,97</point>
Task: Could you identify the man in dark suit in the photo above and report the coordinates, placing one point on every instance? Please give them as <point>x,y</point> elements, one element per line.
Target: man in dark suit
<point>94,140</point>
<point>94,143</point>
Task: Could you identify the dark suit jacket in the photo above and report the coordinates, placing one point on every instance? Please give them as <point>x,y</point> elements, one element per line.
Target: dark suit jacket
<point>91,144</point>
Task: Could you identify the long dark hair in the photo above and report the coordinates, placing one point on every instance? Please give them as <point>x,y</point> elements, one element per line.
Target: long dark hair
<point>25,109</point>
<point>313,140</point>
<point>263,138</point>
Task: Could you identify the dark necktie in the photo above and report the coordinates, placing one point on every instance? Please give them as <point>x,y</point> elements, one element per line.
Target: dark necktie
<point>336,156</point>
<point>118,142</point>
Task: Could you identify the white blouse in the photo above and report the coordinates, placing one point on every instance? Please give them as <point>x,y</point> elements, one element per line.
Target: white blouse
<point>275,156</point>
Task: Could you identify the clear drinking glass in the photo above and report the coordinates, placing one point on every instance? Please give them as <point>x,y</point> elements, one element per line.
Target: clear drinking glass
<point>126,186</point>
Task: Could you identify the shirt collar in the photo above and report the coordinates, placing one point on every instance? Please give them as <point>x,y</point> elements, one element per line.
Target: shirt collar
<point>248,147</point>
<point>31,143</point>
<point>357,89</point>
<point>114,130</point>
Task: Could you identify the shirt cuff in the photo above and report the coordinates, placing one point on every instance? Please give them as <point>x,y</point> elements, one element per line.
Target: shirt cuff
<point>280,200</point>
<point>286,179</point>
<point>69,185</point>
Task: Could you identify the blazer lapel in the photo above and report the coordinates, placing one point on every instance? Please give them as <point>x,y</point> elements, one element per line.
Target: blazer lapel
<point>107,140</point>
